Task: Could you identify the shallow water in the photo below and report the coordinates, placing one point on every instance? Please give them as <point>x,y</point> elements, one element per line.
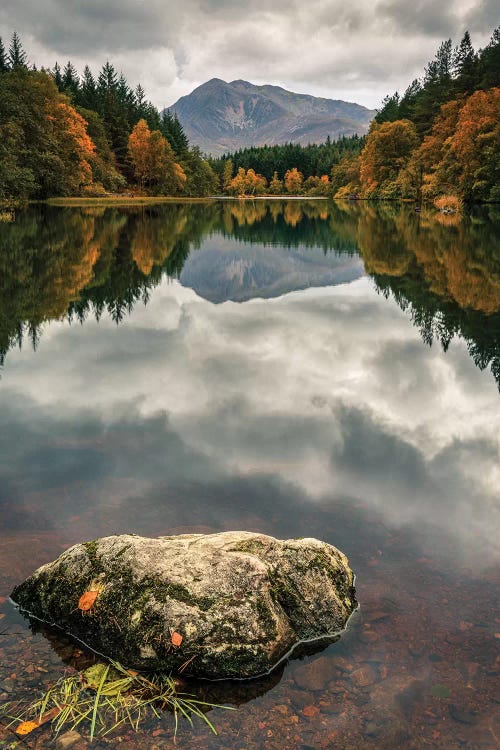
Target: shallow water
<point>299,369</point>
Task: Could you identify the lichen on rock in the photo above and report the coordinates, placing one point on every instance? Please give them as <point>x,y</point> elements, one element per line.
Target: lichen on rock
<point>240,601</point>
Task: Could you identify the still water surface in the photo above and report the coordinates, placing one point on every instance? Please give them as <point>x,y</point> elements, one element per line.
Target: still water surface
<point>297,369</point>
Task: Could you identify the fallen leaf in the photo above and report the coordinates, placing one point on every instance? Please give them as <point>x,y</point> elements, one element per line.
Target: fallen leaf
<point>310,711</point>
<point>26,727</point>
<point>87,600</point>
<point>176,639</point>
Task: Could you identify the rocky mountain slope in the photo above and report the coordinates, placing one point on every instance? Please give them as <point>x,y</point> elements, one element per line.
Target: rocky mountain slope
<point>220,117</point>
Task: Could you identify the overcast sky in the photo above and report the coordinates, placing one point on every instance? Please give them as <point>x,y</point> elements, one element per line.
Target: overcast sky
<point>357,51</point>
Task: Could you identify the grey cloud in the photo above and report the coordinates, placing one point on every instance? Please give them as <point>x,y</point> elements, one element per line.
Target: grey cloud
<point>484,17</point>
<point>359,51</point>
<point>74,28</point>
<point>422,16</point>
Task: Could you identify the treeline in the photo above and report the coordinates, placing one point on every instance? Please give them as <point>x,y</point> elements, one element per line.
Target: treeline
<point>63,134</point>
<point>440,138</point>
<point>311,160</point>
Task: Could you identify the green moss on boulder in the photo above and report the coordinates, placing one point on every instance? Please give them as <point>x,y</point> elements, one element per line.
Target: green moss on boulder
<point>240,601</point>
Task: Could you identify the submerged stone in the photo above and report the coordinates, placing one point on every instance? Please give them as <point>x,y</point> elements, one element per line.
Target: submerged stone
<point>239,601</point>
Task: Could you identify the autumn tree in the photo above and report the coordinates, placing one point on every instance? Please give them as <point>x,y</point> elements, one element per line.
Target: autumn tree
<point>247,183</point>
<point>387,151</point>
<point>293,181</point>
<point>74,148</point>
<point>138,150</point>
<point>317,186</point>
<point>345,177</point>
<point>276,185</point>
<point>227,175</point>
<point>475,146</point>
<point>105,174</point>
<point>153,161</point>
<point>49,151</point>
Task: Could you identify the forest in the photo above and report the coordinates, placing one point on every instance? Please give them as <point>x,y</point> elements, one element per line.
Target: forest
<point>65,134</point>
<point>62,134</point>
<point>440,138</point>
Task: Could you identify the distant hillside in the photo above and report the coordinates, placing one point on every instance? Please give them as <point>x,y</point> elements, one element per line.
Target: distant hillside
<point>220,117</point>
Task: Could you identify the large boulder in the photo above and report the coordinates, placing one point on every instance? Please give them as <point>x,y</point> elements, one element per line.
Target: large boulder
<point>240,601</point>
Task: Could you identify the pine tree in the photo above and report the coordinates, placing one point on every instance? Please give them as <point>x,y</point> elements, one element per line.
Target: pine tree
<point>140,97</point>
<point>173,131</point>
<point>87,94</point>
<point>489,63</point>
<point>57,75</point>
<point>70,80</point>
<point>3,58</point>
<point>390,109</point>
<point>407,103</point>
<point>108,80</point>
<point>17,56</point>
<point>465,66</point>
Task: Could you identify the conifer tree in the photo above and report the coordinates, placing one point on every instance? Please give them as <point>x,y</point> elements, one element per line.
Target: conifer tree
<point>489,62</point>
<point>173,131</point>
<point>465,66</point>
<point>57,76</point>
<point>17,56</point>
<point>390,109</point>
<point>70,80</point>
<point>3,58</point>
<point>87,94</point>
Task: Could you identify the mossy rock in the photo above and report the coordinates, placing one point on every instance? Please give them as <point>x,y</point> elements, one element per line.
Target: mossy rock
<point>240,601</point>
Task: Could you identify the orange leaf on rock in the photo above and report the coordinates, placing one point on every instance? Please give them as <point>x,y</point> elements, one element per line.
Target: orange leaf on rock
<point>87,600</point>
<point>26,727</point>
<point>176,639</point>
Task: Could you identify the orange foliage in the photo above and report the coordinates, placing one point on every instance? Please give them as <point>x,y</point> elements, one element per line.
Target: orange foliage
<point>176,639</point>
<point>76,146</point>
<point>247,183</point>
<point>293,181</point>
<point>87,600</point>
<point>478,130</point>
<point>387,151</point>
<point>153,160</point>
<point>26,727</point>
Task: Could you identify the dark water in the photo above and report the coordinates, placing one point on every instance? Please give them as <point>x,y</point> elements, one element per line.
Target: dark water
<point>299,369</point>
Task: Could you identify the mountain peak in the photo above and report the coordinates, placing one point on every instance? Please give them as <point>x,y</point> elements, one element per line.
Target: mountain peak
<point>220,117</point>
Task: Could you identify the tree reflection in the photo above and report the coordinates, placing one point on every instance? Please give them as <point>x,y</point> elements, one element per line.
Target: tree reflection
<point>57,263</point>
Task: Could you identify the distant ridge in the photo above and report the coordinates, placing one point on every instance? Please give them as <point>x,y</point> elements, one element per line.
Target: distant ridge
<point>220,117</point>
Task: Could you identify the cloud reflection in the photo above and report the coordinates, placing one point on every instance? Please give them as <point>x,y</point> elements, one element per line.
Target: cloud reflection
<point>197,414</point>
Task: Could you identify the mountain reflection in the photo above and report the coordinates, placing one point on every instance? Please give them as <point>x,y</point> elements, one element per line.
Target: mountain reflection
<point>68,263</point>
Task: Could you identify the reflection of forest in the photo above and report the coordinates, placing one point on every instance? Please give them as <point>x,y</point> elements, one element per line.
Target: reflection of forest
<point>72,262</point>
<point>445,273</point>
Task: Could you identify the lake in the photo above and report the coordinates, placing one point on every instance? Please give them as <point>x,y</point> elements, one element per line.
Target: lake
<point>293,368</point>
